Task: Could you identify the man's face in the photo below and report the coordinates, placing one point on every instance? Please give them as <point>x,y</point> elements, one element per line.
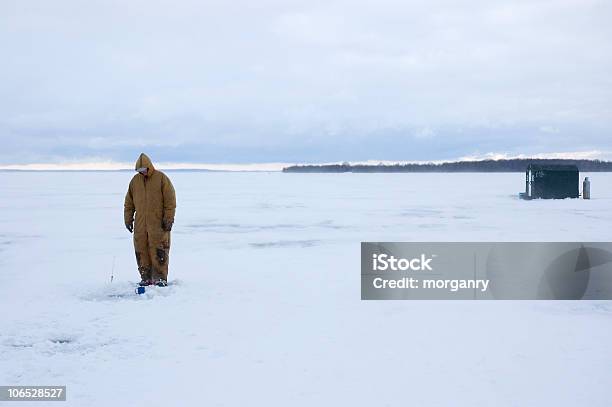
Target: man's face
<point>144,171</point>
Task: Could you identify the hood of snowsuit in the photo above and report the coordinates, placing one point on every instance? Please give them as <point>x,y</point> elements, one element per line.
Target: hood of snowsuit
<point>145,162</point>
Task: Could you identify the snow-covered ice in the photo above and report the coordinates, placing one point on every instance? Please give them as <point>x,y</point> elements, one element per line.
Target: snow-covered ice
<point>264,306</point>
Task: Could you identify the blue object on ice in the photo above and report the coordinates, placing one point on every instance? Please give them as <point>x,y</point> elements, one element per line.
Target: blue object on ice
<point>140,290</point>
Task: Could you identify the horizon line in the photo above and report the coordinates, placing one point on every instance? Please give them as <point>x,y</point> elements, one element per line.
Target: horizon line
<point>110,165</point>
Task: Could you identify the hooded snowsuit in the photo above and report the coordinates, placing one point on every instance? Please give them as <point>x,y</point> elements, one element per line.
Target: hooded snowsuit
<point>153,200</point>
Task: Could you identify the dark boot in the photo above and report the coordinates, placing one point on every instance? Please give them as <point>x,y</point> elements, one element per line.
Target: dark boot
<point>161,283</point>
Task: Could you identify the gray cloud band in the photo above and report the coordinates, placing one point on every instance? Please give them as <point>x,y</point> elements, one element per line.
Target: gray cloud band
<point>478,270</point>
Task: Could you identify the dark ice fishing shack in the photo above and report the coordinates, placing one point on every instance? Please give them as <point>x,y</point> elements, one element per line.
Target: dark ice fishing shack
<point>551,181</point>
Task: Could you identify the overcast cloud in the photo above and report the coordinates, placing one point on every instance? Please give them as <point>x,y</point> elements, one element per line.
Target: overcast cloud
<point>263,81</point>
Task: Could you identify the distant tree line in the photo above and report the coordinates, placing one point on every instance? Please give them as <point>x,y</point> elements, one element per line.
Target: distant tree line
<point>512,165</point>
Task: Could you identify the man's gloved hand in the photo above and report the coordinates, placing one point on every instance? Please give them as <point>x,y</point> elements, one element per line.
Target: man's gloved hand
<point>130,226</point>
<point>166,225</point>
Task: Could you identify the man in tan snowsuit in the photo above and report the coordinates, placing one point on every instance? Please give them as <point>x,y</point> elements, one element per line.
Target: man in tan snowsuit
<point>151,196</point>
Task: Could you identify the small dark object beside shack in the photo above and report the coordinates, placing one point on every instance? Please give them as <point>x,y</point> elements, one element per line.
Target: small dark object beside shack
<point>551,182</point>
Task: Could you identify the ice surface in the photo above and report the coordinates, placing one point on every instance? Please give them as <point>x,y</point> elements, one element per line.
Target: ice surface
<point>265,304</point>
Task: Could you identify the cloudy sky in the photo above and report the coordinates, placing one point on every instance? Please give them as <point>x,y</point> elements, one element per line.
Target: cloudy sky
<point>303,81</point>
